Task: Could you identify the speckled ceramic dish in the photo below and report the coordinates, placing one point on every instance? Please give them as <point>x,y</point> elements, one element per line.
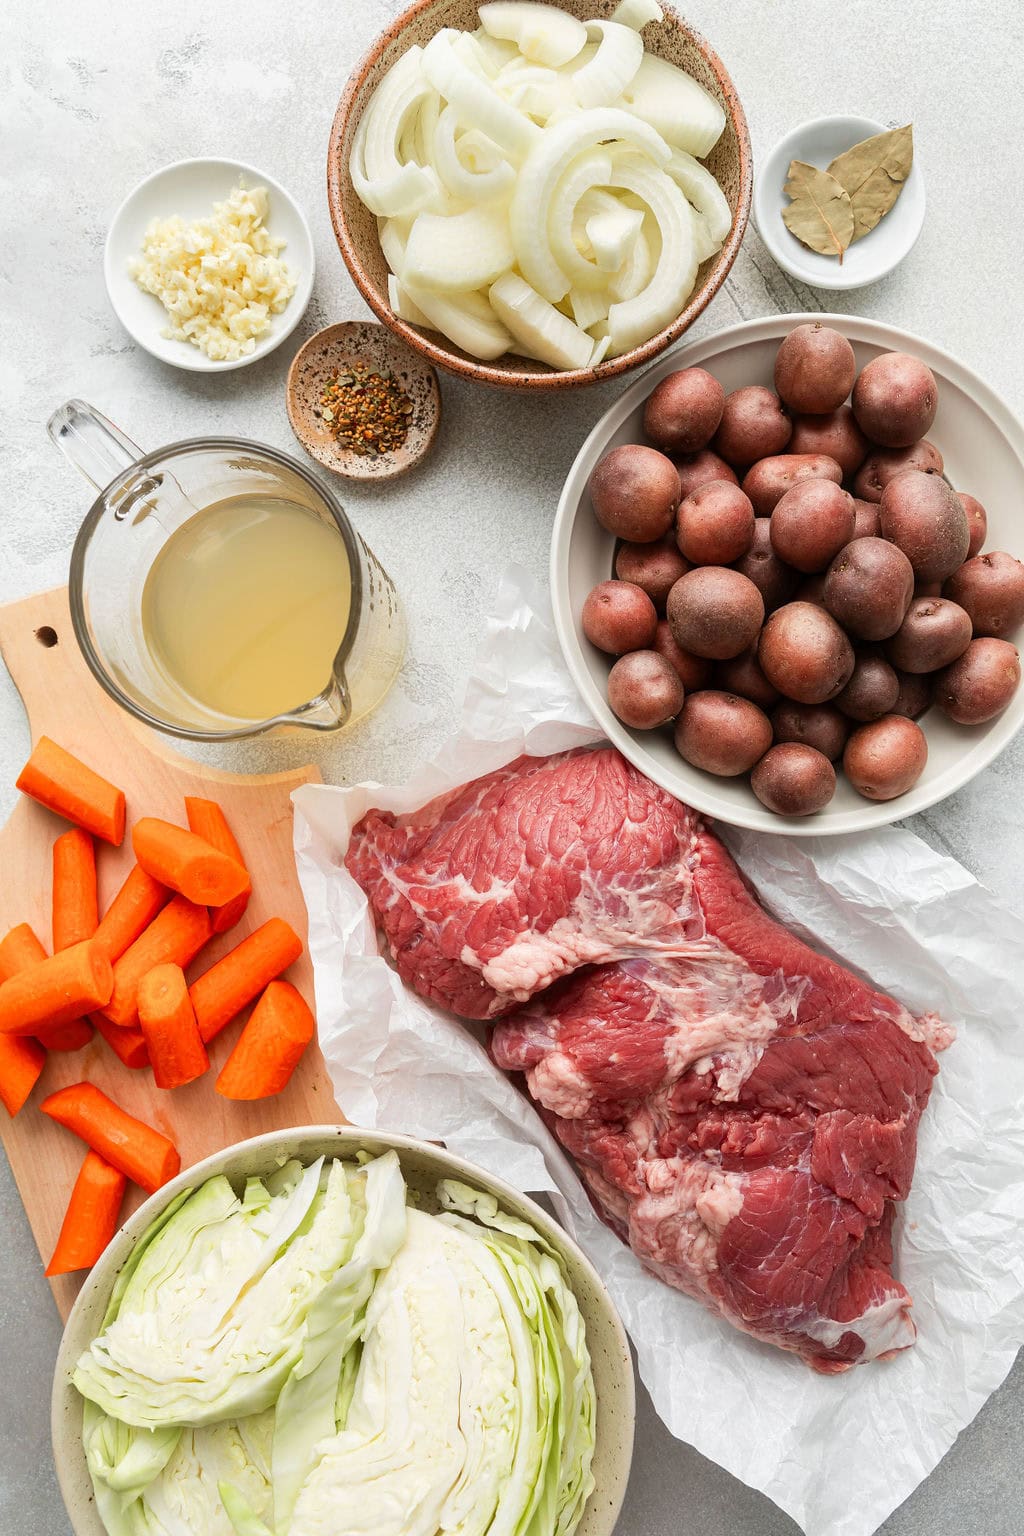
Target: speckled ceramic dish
<point>423,1165</point>
<point>356,228</point>
<point>352,346</point>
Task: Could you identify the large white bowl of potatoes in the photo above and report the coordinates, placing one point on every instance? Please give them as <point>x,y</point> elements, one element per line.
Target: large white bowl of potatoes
<point>786,577</point>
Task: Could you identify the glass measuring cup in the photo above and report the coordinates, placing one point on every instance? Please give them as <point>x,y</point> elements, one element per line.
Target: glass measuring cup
<point>144,499</point>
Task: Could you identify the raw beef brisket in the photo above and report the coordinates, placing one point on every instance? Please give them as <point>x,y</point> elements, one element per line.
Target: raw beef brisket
<point>744,1109</point>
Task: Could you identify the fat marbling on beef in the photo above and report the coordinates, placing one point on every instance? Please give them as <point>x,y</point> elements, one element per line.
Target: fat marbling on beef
<point>743,1109</point>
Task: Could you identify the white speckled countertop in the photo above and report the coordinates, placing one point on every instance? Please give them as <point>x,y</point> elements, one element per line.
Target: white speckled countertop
<point>95,96</point>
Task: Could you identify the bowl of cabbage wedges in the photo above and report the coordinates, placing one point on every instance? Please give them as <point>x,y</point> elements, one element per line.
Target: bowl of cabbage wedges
<point>325,1330</point>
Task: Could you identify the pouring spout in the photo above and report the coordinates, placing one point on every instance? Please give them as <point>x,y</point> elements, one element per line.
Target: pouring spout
<point>329,711</point>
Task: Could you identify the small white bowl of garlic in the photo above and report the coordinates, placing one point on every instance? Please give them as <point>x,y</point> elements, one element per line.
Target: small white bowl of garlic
<point>209,264</point>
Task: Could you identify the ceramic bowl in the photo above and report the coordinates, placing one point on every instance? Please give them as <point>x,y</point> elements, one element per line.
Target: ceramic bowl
<point>982,443</point>
<point>423,1165</point>
<point>356,228</point>
<point>190,188</point>
<point>818,142</point>
<point>360,344</point>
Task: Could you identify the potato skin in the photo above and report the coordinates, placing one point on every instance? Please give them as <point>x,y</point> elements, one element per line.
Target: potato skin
<point>754,425</point>
<point>654,567</point>
<point>869,587</point>
<point>721,733</point>
<point>804,653</point>
<point>885,758</point>
<point>867,523</point>
<point>715,524</point>
<point>693,671</point>
<point>977,522</point>
<point>715,612</point>
<point>643,690</point>
<point>915,695</point>
<point>767,481</point>
<point>933,634</point>
<point>895,399</point>
<point>872,690</point>
<point>618,617</point>
<point>980,683</point>
<point>794,780</point>
<point>775,580</point>
<point>836,435</point>
<point>697,469</point>
<point>683,411</point>
<point>743,675</point>
<point>634,492</point>
<point>991,590</point>
<point>821,726</point>
<point>811,524</point>
<point>921,515</point>
<point>814,369</point>
<point>884,464</point>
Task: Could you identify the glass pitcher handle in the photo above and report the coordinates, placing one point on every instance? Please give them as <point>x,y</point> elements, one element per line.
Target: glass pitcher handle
<point>98,449</point>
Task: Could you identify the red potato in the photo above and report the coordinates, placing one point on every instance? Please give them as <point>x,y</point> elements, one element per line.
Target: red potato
<point>814,369</point>
<point>654,567</point>
<point>715,524</point>
<point>836,435</point>
<point>774,579</point>
<point>980,683</point>
<point>867,524</point>
<point>915,694</point>
<point>895,399</point>
<point>884,464</point>
<point>933,634</point>
<point>683,411</point>
<point>921,515</point>
<point>990,588</point>
<point>694,672</point>
<point>754,426</point>
<point>721,733</point>
<point>715,612</point>
<point>794,780</point>
<point>977,522</point>
<point>811,524</point>
<point>644,691</point>
<point>812,590</point>
<point>884,759</point>
<point>767,481</point>
<point>821,726</point>
<point>804,653</point>
<point>743,675</point>
<point>619,617</point>
<point>634,492</point>
<point>872,690</point>
<point>697,469</point>
<point>868,588</point>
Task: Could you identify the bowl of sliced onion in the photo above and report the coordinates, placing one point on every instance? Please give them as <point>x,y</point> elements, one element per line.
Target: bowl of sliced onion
<point>537,196</point>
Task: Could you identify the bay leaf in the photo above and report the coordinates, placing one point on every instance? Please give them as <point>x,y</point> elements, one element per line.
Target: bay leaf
<point>873,173</point>
<point>821,213</point>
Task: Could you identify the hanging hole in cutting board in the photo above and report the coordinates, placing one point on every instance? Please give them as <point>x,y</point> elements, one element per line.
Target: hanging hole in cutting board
<point>47,636</point>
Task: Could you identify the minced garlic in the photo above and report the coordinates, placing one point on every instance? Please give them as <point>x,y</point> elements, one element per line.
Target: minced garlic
<point>219,278</point>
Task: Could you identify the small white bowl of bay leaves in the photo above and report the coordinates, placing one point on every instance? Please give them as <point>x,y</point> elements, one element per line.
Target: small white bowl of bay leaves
<point>868,256</point>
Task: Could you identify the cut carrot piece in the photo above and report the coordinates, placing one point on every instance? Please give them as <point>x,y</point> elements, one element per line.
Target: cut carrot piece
<point>64,784</point>
<point>19,951</point>
<point>56,991</point>
<point>21,1062</point>
<point>267,1051</point>
<point>91,1217</point>
<point>65,1037</point>
<point>207,820</point>
<point>142,1154</point>
<point>75,904</point>
<point>243,973</point>
<point>174,937</point>
<point>128,1045</point>
<point>187,863</point>
<point>130,913</point>
<point>168,1021</point>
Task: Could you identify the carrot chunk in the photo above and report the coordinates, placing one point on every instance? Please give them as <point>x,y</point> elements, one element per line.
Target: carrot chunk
<point>142,1154</point>
<point>75,903</point>
<point>65,1037</point>
<point>20,950</point>
<point>187,863</point>
<point>207,820</point>
<point>168,1022</point>
<point>64,784</point>
<point>56,991</point>
<point>21,1062</point>
<point>174,937</point>
<point>130,913</point>
<point>128,1045</point>
<point>91,1217</point>
<point>268,1050</point>
<point>227,987</point>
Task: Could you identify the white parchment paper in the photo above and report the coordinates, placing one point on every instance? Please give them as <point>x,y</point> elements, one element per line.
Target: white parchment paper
<point>838,1453</point>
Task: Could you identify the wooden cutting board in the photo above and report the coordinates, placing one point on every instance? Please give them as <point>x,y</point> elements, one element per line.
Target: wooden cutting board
<point>65,702</point>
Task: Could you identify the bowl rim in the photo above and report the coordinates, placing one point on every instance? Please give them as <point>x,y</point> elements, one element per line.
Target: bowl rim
<point>67,1449</point>
<point>873,814</point>
<point>297,304</point>
<point>550,379</point>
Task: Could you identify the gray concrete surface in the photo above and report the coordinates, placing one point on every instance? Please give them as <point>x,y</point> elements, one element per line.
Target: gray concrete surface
<point>94,96</point>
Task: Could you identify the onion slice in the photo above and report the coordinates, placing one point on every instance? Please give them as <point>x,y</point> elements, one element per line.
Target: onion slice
<point>465,318</point>
<point>543,331</point>
<point>474,97</point>
<point>702,190</point>
<point>381,181</point>
<point>591,169</point>
<point>635,320</point>
<point>493,180</point>
<point>682,111</point>
<point>637,13</point>
<point>612,227</point>
<point>543,33</point>
<point>588,305</point>
<point>456,253</point>
<point>619,55</point>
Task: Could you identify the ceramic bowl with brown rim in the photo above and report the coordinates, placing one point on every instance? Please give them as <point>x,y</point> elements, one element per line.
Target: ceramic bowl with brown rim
<point>356,227</point>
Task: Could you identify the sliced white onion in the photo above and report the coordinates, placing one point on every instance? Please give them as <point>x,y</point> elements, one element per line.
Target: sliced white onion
<point>589,170</point>
<point>588,305</point>
<point>638,268</point>
<point>702,190</point>
<point>536,90</point>
<point>477,102</point>
<point>600,350</point>
<point>540,173</point>
<point>637,13</point>
<point>381,181</point>
<point>611,232</point>
<point>541,32</point>
<point>704,245</point>
<point>460,252</point>
<point>494,52</point>
<point>494,178</point>
<point>619,55</point>
<point>538,326</point>
<point>466,319</point>
<point>403,305</point>
<point>673,103</point>
<point>637,319</point>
